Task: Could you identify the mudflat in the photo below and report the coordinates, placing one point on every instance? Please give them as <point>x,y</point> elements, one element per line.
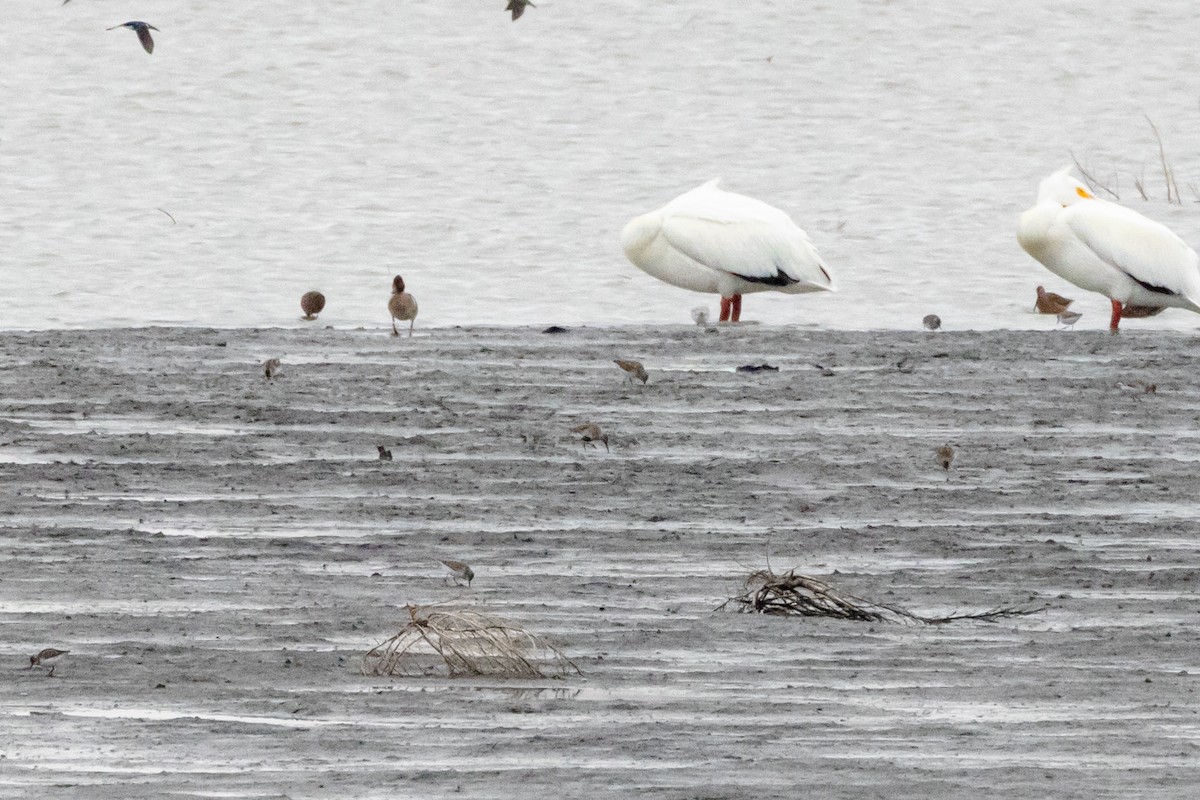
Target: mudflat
<point>218,550</point>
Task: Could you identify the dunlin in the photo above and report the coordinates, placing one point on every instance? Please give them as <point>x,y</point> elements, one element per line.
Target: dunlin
<point>932,322</point>
<point>1069,318</point>
<point>49,654</point>
<point>634,368</point>
<point>311,304</point>
<point>1050,303</point>
<point>402,306</point>
<point>590,433</point>
<point>271,368</point>
<point>1108,248</point>
<point>384,453</point>
<point>710,240</point>
<point>143,33</point>
<point>459,571</point>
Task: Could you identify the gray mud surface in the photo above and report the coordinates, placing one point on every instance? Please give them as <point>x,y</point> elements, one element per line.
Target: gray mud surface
<point>218,551</point>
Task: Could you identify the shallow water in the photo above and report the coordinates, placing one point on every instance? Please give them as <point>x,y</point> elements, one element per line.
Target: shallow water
<point>492,163</point>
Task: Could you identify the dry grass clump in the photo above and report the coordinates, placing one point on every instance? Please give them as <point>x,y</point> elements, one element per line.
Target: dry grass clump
<point>454,642</point>
<point>791,594</point>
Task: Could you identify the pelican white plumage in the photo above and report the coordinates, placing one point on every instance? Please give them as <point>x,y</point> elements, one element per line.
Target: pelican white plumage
<point>710,240</point>
<point>1107,248</point>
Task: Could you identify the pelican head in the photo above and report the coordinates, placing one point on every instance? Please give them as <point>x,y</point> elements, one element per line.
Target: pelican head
<point>1063,188</point>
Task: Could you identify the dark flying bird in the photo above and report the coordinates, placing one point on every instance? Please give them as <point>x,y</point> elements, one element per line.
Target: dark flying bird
<point>518,8</point>
<point>143,31</point>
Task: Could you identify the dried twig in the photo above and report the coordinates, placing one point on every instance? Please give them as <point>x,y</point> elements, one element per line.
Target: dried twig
<point>791,594</point>
<point>455,642</point>
<point>1168,172</point>
<point>1092,181</point>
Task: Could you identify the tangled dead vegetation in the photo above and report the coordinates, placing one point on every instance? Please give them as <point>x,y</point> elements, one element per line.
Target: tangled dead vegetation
<point>791,594</point>
<point>455,642</point>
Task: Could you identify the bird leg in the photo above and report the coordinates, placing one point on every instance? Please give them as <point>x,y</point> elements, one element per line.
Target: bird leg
<point>725,305</point>
<point>735,314</point>
<point>394,331</point>
<point>411,323</point>
<point>1116,316</point>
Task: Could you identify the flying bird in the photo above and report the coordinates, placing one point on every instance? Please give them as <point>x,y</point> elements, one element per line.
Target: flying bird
<point>402,306</point>
<point>143,31</point>
<point>517,7</point>
<point>311,304</point>
<point>710,240</point>
<point>1050,303</point>
<point>634,370</point>
<point>49,654</point>
<point>1109,249</point>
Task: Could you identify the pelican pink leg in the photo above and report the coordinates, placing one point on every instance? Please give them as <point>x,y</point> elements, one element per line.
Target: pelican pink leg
<point>1116,316</point>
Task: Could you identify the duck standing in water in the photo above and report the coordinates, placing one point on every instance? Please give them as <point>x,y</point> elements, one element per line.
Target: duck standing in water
<point>402,306</point>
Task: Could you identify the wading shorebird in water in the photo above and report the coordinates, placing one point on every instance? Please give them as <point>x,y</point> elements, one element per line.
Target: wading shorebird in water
<point>143,31</point>
<point>710,240</point>
<point>402,306</point>
<point>634,370</point>
<point>944,456</point>
<point>459,571</point>
<point>311,304</point>
<point>1103,247</point>
<point>49,654</point>
<point>590,433</point>
<point>1050,303</point>
<point>517,7</point>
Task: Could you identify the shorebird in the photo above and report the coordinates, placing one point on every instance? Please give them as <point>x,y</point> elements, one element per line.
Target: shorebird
<point>944,454</point>
<point>1109,249</point>
<point>402,306</point>
<point>710,240</point>
<point>1140,312</point>
<point>384,453</point>
<point>49,654</point>
<point>459,571</point>
<point>311,304</point>
<point>634,368</point>
<point>1050,303</point>
<point>271,368</point>
<point>143,31</point>
<point>590,433</point>
<point>1069,318</point>
<point>700,315</point>
<point>517,7</point>
<point>932,322</point>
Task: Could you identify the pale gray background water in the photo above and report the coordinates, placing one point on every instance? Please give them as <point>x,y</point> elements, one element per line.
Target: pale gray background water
<point>331,145</point>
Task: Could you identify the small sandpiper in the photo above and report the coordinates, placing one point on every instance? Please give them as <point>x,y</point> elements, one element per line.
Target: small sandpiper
<point>49,654</point>
<point>459,571</point>
<point>945,454</point>
<point>634,368</point>
<point>311,304</point>
<point>402,306</point>
<point>932,322</point>
<point>1069,318</point>
<point>590,433</point>
<point>384,453</point>
<point>271,368</point>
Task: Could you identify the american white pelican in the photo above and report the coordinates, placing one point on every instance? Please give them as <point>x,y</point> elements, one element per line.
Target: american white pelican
<point>1050,302</point>
<point>1107,248</point>
<point>710,240</point>
<point>402,306</point>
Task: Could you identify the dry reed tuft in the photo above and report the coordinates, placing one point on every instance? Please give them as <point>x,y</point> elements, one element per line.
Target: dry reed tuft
<point>450,642</point>
<point>790,594</point>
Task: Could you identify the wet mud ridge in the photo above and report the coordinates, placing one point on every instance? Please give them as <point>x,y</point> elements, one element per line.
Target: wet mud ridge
<point>218,550</point>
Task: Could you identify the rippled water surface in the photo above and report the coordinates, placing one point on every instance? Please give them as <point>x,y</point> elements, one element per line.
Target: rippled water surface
<point>330,145</point>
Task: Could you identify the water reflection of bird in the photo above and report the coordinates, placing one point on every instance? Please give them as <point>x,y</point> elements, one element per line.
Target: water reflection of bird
<point>143,31</point>
<point>1050,303</point>
<point>517,7</point>
<point>402,306</point>
<point>710,240</point>
<point>1109,249</point>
